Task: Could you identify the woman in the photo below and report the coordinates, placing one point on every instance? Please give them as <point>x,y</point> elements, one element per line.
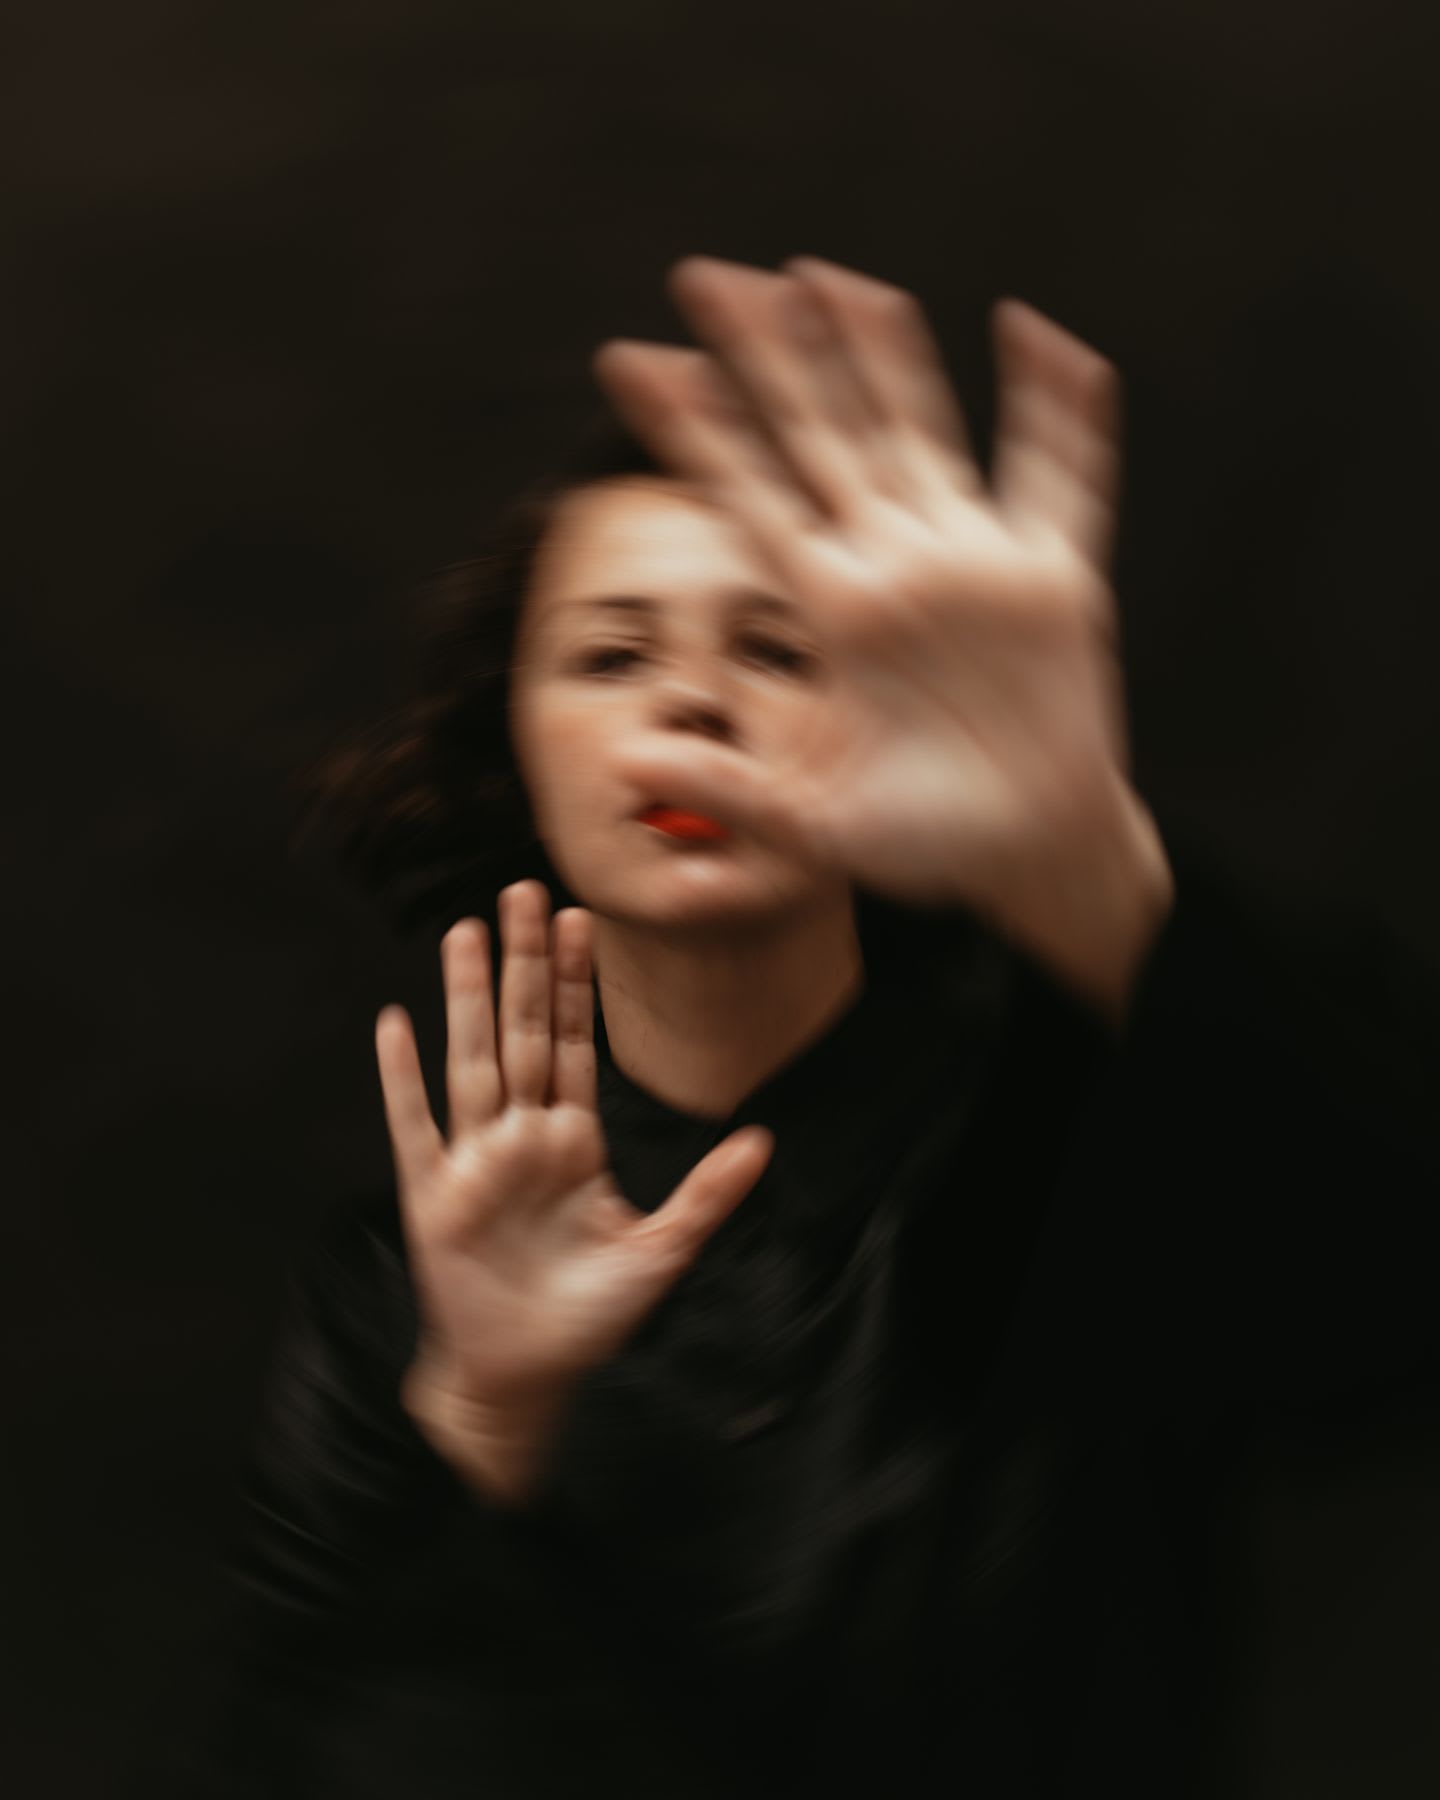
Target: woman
<point>746,1390</point>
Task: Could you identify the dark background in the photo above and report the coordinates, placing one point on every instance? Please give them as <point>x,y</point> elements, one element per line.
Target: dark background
<point>297,294</point>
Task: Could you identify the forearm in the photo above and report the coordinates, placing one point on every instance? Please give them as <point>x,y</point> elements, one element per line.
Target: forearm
<point>1090,908</point>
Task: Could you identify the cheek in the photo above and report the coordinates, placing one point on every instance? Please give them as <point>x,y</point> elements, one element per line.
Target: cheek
<point>562,755</point>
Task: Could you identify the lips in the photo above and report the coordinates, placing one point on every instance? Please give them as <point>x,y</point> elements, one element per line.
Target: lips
<point>677,822</point>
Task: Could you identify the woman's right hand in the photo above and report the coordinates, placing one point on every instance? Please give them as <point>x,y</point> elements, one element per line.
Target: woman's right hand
<point>530,1267</point>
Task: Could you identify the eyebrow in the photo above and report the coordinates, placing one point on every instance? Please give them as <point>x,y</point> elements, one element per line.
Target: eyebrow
<point>740,600</point>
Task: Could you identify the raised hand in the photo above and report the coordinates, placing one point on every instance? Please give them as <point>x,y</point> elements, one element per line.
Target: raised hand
<point>529,1264</point>
<point>976,752</point>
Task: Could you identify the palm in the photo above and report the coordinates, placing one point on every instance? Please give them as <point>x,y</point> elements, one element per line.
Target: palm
<point>529,1264</point>
<point>530,1281</point>
<point>969,628</point>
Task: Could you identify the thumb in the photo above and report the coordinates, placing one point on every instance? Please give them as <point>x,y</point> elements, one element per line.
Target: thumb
<point>711,1191</point>
<point>727,785</point>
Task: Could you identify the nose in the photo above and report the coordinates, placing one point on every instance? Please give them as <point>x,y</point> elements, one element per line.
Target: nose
<point>693,704</point>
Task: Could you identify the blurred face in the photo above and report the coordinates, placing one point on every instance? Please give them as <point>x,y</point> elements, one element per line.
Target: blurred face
<point>648,611</point>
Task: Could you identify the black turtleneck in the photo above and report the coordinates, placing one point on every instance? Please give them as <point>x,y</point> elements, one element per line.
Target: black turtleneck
<point>913,1478</point>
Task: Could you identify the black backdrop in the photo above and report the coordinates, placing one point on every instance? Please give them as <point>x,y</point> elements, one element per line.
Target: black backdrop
<point>298,292</point>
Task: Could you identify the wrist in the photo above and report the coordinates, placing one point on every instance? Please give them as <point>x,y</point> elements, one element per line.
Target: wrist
<point>1090,910</point>
<point>498,1447</point>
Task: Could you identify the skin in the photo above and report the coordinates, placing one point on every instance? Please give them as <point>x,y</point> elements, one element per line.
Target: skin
<point>716,963</point>
<point>931,707</point>
<point>978,754</point>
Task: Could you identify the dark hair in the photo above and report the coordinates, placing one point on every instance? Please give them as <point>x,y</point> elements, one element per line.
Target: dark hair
<point>433,819</point>
<point>425,808</point>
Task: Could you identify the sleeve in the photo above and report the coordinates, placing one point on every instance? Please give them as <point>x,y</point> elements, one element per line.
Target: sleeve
<point>1242,1274</point>
<point>342,1502</point>
<point>1274,1093</point>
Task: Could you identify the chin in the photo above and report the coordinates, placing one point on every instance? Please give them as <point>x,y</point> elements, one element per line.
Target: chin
<point>708,890</point>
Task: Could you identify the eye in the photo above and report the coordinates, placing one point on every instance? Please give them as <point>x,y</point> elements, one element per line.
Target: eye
<point>601,660</point>
<point>785,656</point>
<point>606,659</point>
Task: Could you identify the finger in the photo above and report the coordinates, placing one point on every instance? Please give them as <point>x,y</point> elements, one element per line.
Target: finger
<point>415,1140</point>
<point>573,1079</point>
<point>525,993</point>
<point>707,1196</point>
<point>779,347</point>
<point>785,810</point>
<point>1057,448</point>
<point>895,355</point>
<point>472,1074</point>
<point>681,404</point>
<point>692,414</point>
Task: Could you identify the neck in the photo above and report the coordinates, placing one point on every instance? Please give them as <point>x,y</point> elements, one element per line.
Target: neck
<point>701,1022</point>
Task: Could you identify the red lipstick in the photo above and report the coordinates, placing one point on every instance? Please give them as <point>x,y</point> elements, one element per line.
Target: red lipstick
<point>676,823</point>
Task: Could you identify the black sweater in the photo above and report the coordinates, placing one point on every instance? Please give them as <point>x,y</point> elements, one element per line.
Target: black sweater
<point>920,1478</point>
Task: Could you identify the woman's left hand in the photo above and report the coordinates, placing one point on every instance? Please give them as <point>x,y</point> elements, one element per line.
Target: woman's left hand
<point>976,751</point>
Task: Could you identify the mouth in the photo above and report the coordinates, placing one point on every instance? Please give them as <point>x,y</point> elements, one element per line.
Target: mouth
<point>679,822</point>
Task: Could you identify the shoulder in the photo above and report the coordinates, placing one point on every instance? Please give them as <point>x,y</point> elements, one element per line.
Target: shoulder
<point>1263,993</point>
<point>360,1228</point>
